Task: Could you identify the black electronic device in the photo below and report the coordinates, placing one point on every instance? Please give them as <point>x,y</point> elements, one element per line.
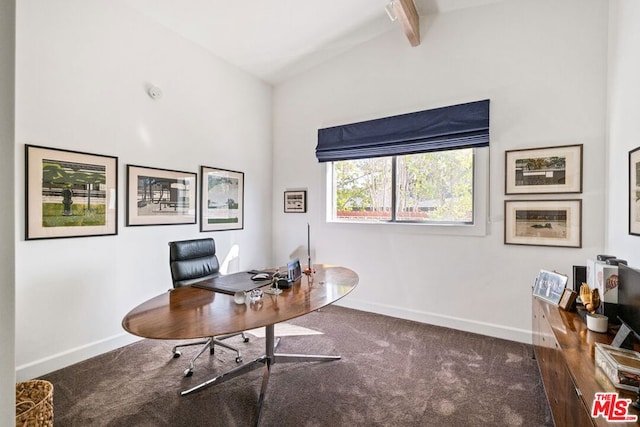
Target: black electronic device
<point>294,271</point>
<point>282,283</point>
<point>579,277</point>
<point>628,307</point>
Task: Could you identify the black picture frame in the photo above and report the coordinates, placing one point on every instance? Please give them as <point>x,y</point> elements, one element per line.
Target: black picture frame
<point>544,170</point>
<point>221,199</point>
<point>634,192</point>
<point>295,201</point>
<point>160,196</point>
<point>543,223</point>
<point>69,193</point>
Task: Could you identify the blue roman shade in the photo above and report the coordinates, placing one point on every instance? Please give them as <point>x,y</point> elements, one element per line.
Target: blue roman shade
<point>445,128</point>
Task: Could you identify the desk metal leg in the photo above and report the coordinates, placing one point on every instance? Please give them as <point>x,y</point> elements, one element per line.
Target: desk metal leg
<point>270,357</point>
<point>290,358</point>
<point>263,389</point>
<point>240,370</point>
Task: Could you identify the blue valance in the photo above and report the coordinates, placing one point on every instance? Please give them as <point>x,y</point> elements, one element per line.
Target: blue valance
<point>445,128</point>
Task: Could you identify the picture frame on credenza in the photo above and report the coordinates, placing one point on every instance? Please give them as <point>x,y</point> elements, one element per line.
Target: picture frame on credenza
<point>550,286</point>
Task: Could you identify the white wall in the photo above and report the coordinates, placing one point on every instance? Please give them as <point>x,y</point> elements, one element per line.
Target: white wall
<point>7,220</point>
<point>624,126</point>
<point>82,69</point>
<point>543,65</point>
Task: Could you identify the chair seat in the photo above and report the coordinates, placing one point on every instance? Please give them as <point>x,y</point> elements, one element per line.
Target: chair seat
<point>192,261</point>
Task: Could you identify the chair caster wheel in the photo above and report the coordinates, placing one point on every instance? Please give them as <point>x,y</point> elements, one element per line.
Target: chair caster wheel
<point>238,359</point>
<point>176,354</point>
<point>188,372</point>
<point>246,339</point>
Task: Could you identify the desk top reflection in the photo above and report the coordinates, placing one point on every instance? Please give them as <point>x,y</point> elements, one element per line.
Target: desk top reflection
<point>190,312</point>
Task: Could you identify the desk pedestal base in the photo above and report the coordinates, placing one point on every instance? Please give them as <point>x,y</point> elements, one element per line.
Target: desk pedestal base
<point>269,358</point>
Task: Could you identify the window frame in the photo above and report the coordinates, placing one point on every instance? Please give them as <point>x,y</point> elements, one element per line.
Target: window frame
<point>478,227</point>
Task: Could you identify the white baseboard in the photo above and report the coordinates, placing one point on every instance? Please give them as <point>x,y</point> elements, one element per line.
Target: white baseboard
<point>62,360</point>
<point>54,362</point>
<point>468,325</point>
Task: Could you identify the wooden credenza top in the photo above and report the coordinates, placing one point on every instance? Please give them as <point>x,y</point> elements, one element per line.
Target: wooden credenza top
<point>566,334</point>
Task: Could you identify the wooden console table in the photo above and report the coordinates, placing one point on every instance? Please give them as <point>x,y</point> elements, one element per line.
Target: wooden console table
<point>564,349</point>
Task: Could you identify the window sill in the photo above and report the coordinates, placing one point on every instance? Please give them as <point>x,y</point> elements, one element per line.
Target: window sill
<point>476,229</point>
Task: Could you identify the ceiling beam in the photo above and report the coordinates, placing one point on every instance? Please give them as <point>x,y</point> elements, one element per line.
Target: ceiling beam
<point>408,16</point>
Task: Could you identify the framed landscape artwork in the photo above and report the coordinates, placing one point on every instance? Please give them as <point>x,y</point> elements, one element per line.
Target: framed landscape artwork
<point>222,205</point>
<point>160,196</point>
<point>69,193</point>
<point>544,170</point>
<point>543,223</point>
<point>550,286</point>
<point>634,192</point>
<point>295,201</point>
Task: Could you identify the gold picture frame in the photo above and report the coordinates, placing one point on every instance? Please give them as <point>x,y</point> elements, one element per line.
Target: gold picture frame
<point>568,298</point>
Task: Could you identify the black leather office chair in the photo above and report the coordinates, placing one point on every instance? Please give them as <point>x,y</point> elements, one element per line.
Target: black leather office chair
<point>192,261</point>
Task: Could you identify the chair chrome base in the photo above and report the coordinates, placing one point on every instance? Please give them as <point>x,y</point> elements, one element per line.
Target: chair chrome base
<point>210,344</point>
<point>269,358</point>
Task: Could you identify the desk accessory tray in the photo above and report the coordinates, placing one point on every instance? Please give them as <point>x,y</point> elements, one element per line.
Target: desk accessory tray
<point>231,283</point>
<point>621,366</point>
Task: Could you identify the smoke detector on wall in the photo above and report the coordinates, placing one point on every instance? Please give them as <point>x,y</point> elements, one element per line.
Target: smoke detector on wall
<point>154,92</point>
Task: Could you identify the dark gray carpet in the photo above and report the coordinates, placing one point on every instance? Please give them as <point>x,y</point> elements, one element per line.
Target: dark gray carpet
<point>392,373</point>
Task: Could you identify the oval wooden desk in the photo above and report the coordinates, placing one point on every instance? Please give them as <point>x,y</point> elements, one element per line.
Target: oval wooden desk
<point>190,312</point>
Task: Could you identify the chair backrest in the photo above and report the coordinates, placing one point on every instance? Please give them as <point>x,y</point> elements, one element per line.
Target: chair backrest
<point>192,261</point>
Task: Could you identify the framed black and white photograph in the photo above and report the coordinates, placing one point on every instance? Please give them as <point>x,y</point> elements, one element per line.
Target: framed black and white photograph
<point>69,193</point>
<point>160,196</point>
<point>543,223</point>
<point>544,170</point>
<point>222,200</point>
<point>634,192</point>
<point>550,286</point>
<point>295,201</point>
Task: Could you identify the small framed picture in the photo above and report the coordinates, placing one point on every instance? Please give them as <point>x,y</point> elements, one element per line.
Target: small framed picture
<point>550,286</point>
<point>543,223</point>
<point>160,196</point>
<point>544,170</point>
<point>568,298</point>
<point>295,201</point>
<point>222,200</point>
<point>634,192</point>
<point>69,194</point>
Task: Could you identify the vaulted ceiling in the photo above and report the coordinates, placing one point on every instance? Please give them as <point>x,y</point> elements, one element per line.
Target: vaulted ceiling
<point>275,39</point>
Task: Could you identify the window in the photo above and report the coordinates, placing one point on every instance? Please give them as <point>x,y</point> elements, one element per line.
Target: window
<point>424,167</point>
<point>435,188</point>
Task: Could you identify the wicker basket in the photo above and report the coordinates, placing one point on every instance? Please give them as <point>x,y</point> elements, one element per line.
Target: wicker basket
<point>34,404</point>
